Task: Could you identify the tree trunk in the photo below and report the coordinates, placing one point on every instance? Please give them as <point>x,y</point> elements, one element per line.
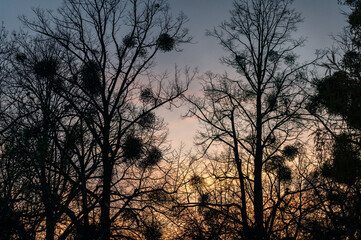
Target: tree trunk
<point>84,228</point>
<point>84,196</point>
<point>258,191</point>
<point>50,226</point>
<point>105,204</point>
<point>105,222</point>
<point>238,161</point>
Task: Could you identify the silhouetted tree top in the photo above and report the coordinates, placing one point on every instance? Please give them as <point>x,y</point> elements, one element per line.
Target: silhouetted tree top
<point>256,113</point>
<point>105,78</point>
<point>336,106</point>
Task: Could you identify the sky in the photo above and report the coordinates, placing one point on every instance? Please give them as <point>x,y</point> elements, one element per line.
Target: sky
<point>322,18</point>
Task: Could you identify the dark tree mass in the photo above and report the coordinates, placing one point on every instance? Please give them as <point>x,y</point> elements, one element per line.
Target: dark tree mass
<point>84,150</point>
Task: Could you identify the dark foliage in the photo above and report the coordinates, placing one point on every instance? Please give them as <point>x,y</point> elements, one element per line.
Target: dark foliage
<point>352,61</point>
<point>146,95</point>
<point>354,19</point>
<point>165,42</point>
<point>204,199</point>
<point>277,165</point>
<point>45,68</point>
<point>129,41</point>
<point>341,95</point>
<point>290,152</point>
<point>154,156</point>
<point>132,148</point>
<point>147,120</point>
<point>284,174</point>
<point>90,77</point>
<point>345,165</point>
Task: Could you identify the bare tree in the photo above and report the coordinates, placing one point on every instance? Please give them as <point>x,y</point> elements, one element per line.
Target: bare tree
<point>34,118</point>
<point>257,114</point>
<point>110,48</point>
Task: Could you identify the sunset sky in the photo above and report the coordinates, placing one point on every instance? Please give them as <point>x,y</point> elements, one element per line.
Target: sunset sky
<point>321,19</point>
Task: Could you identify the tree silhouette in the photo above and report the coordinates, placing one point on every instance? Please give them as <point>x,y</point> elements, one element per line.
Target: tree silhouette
<point>87,107</point>
<point>84,153</point>
<point>336,106</point>
<point>256,114</point>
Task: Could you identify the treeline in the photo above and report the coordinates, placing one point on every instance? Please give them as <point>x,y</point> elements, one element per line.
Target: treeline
<point>84,154</point>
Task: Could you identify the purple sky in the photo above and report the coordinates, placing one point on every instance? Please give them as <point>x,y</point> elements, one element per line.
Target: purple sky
<point>321,19</point>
